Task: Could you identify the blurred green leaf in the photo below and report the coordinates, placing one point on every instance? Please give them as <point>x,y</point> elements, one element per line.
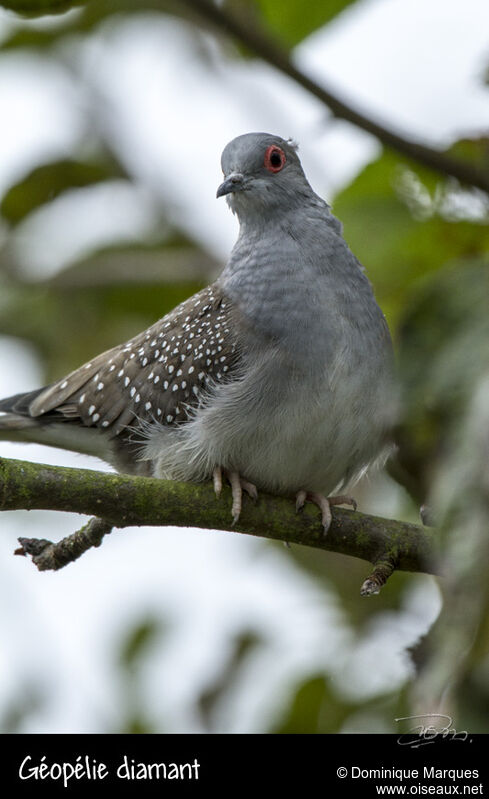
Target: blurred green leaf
<point>20,708</point>
<point>176,259</point>
<point>475,150</point>
<point>314,709</point>
<point>473,697</point>
<point>243,648</point>
<point>139,639</point>
<point>92,14</point>
<point>67,327</point>
<point>40,8</point>
<point>443,350</point>
<point>137,645</point>
<point>456,468</point>
<point>397,248</point>
<point>289,20</point>
<point>35,38</point>
<point>46,182</point>
<point>318,707</point>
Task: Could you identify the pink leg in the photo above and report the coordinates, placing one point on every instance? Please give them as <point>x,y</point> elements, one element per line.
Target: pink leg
<point>323,503</point>
<point>238,485</point>
<point>217,480</point>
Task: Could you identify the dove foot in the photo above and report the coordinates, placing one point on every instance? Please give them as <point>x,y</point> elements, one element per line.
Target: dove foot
<point>238,485</point>
<point>324,504</point>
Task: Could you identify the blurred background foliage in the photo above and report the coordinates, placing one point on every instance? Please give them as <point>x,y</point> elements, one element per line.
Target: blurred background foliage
<point>424,241</point>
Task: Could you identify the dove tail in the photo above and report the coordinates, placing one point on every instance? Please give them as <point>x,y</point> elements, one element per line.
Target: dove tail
<point>16,424</point>
<point>15,420</point>
<point>19,403</point>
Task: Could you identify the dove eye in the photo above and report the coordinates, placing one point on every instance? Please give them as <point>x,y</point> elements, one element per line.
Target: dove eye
<point>274,158</point>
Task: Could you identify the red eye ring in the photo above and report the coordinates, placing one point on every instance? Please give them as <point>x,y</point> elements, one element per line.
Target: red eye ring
<point>274,159</point>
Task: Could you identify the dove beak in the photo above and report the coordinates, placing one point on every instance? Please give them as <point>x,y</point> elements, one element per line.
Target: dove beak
<point>234,182</point>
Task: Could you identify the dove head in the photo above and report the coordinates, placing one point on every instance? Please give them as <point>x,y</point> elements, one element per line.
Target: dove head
<point>262,172</point>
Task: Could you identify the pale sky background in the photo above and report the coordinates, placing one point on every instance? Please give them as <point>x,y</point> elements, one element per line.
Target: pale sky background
<point>418,65</point>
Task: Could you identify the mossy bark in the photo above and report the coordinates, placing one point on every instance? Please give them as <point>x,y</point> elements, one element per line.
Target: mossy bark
<point>124,501</point>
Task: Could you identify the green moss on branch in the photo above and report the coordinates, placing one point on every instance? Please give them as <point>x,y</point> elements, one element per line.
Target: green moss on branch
<point>124,501</point>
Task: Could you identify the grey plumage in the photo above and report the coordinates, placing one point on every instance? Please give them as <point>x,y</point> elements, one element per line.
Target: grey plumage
<point>280,372</point>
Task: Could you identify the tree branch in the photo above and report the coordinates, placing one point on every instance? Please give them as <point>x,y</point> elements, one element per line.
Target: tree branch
<point>125,501</point>
<point>256,39</point>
